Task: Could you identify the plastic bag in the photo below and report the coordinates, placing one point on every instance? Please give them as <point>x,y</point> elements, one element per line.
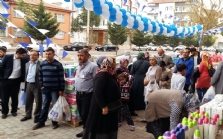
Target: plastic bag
<point>66,110</point>
<point>22,98</point>
<point>209,95</point>
<point>60,110</point>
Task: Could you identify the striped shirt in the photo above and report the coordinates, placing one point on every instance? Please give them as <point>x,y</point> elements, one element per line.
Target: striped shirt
<point>51,75</point>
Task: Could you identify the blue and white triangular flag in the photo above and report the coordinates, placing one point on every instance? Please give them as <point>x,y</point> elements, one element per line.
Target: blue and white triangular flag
<point>41,49</point>
<point>4,15</point>
<point>48,41</point>
<point>64,54</point>
<point>24,44</point>
<point>32,23</point>
<point>5,5</point>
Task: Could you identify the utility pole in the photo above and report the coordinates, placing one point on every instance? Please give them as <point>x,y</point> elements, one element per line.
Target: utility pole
<point>130,33</point>
<point>88,27</point>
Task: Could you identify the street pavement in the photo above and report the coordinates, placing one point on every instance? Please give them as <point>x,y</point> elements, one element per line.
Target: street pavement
<point>12,128</point>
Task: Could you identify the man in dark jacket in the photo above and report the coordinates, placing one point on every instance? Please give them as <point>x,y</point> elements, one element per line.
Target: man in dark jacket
<point>14,74</point>
<point>52,84</point>
<point>195,55</point>
<point>32,87</point>
<point>2,55</point>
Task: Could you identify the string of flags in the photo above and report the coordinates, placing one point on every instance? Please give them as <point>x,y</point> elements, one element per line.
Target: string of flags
<point>4,14</point>
<point>214,31</point>
<point>120,16</point>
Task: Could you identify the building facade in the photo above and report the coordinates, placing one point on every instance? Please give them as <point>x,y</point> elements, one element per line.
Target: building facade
<point>62,15</point>
<point>169,11</point>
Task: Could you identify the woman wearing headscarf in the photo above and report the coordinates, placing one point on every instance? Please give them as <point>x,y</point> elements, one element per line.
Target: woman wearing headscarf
<point>138,71</point>
<point>123,65</point>
<point>102,122</point>
<point>153,76</point>
<point>204,80</point>
<point>166,76</point>
<point>165,108</point>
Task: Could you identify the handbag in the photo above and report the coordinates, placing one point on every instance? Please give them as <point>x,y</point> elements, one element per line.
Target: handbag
<point>211,71</point>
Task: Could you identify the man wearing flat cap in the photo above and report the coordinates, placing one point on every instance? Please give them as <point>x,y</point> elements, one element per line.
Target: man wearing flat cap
<point>85,73</point>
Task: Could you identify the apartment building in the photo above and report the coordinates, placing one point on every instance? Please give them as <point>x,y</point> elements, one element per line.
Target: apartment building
<point>169,11</point>
<point>62,15</point>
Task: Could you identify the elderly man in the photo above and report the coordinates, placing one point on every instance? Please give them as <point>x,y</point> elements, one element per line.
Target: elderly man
<point>84,84</point>
<point>163,57</point>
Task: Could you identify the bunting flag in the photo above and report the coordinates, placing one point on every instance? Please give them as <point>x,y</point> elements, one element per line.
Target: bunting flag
<point>20,13</point>
<point>2,28</point>
<point>41,49</point>
<point>5,5</point>
<point>11,36</point>
<point>48,41</point>
<point>64,54</point>
<point>43,31</point>
<point>10,24</point>
<point>125,2</point>
<point>144,6</point>
<point>32,23</point>
<point>25,45</point>
<point>33,41</point>
<point>27,34</point>
<point>4,15</point>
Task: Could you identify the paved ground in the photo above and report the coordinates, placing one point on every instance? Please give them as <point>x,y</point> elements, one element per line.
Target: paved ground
<point>12,128</point>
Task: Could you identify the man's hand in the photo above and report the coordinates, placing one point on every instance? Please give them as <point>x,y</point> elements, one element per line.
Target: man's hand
<point>61,93</point>
<point>105,110</point>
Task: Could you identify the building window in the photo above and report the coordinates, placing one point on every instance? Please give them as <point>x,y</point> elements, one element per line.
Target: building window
<point>176,9</point>
<point>18,33</point>
<point>60,35</point>
<point>60,18</point>
<point>15,14</point>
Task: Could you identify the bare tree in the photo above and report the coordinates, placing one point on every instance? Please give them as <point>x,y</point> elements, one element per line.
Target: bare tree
<point>206,12</point>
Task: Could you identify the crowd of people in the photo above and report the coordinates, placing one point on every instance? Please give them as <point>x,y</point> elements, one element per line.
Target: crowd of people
<point>108,93</point>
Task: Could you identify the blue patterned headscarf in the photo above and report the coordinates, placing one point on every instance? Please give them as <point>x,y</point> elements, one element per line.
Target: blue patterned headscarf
<point>191,101</point>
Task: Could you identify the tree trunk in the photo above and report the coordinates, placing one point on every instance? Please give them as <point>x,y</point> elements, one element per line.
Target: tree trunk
<point>91,38</point>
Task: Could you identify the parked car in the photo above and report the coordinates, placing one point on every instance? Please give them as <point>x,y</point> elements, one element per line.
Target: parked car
<point>76,46</point>
<point>179,47</point>
<point>6,44</point>
<point>153,47</point>
<point>209,49</point>
<point>107,47</point>
<point>37,46</point>
<point>167,47</point>
<point>140,48</point>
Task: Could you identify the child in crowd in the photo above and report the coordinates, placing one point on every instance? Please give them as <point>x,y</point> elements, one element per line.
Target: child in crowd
<point>178,79</point>
<point>124,84</point>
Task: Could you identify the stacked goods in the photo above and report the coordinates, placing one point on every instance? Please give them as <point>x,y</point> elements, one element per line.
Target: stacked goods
<point>197,126</point>
<point>70,94</point>
<point>213,107</point>
<point>69,71</point>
